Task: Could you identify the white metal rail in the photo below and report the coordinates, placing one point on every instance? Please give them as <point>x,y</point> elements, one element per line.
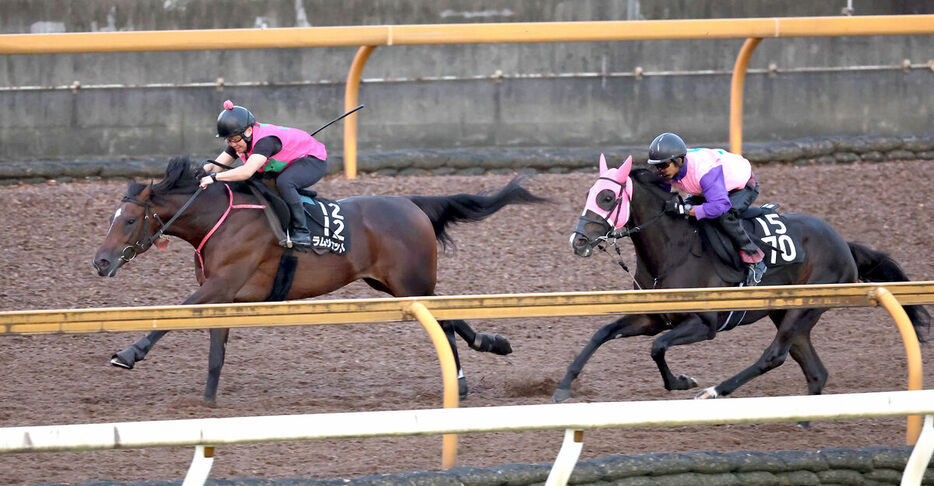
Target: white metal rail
<point>574,418</point>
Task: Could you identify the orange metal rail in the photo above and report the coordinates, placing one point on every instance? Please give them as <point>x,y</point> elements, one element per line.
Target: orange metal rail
<point>426,310</point>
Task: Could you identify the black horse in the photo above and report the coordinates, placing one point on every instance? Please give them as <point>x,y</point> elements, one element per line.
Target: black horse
<point>670,254</point>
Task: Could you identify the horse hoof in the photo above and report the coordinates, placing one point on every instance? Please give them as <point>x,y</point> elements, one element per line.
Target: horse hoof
<point>561,394</point>
<point>491,343</point>
<point>120,363</point>
<point>692,383</point>
<point>707,393</point>
<point>682,382</point>
<point>462,387</point>
<point>501,345</point>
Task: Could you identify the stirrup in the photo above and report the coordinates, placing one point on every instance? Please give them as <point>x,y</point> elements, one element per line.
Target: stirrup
<point>755,273</point>
<point>293,238</point>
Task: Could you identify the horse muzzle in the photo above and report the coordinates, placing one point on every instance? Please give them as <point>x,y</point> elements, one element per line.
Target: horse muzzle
<point>582,239</point>
<point>581,244</point>
<point>106,267</point>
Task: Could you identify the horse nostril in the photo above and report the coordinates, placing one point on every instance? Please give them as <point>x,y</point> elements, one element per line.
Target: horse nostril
<point>580,242</point>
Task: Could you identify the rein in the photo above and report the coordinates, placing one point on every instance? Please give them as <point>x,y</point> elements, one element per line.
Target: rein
<point>619,255</point>
<point>610,238</point>
<point>631,231</point>
<point>130,252</point>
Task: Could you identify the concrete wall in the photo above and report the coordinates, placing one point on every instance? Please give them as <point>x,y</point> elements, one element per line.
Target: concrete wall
<point>141,120</point>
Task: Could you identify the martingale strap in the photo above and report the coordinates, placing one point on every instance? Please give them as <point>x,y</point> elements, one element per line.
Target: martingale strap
<point>230,206</point>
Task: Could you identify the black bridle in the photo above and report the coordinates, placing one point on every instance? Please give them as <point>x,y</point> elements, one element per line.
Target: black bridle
<point>130,251</point>
<point>610,235</point>
<point>617,203</point>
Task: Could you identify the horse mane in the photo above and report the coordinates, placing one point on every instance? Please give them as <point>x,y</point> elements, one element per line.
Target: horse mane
<point>651,180</point>
<point>181,177</point>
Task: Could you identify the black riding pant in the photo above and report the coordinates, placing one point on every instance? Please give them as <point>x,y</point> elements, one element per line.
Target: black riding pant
<point>740,199</point>
<point>302,173</point>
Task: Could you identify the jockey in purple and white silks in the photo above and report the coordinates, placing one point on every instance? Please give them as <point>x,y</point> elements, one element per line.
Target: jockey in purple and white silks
<point>299,159</point>
<point>723,179</point>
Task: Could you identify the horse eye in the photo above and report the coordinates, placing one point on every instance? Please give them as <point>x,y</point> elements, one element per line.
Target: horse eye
<point>605,199</point>
<point>131,221</point>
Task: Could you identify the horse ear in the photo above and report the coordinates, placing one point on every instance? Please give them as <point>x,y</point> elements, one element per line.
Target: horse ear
<point>145,193</point>
<point>603,168</point>
<point>626,167</point>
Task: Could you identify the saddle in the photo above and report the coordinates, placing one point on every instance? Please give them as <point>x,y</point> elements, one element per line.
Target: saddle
<point>329,233</point>
<point>767,229</point>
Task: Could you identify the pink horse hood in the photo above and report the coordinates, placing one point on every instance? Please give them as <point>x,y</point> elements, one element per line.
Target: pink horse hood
<point>617,181</point>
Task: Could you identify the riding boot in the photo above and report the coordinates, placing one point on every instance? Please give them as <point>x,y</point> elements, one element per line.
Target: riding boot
<point>299,226</point>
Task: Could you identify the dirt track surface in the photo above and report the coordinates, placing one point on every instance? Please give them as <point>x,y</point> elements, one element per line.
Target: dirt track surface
<point>51,231</point>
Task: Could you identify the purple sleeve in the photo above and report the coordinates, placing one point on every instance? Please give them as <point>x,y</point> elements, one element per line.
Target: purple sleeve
<point>718,199</point>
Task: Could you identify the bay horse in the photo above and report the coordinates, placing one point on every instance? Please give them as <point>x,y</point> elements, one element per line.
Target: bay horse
<point>670,254</point>
<point>394,249</point>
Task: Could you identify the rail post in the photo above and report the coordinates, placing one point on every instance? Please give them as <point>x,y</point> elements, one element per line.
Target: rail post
<point>448,374</point>
<point>351,95</point>
<point>200,466</point>
<point>912,351</point>
<point>736,93</point>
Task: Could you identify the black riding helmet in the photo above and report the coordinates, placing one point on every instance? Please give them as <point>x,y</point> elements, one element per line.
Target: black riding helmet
<point>234,120</point>
<point>665,147</point>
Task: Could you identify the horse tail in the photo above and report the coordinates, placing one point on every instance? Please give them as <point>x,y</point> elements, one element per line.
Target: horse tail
<point>876,266</point>
<point>445,210</point>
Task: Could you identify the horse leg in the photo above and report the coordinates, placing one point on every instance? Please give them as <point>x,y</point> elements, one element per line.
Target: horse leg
<point>449,327</point>
<point>626,326</point>
<point>802,351</point>
<point>794,323</point>
<point>398,288</point>
<point>215,362</point>
<point>482,341</point>
<point>479,341</point>
<point>691,330</point>
<point>137,351</point>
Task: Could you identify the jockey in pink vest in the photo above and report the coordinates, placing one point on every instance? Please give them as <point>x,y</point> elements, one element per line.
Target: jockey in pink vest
<point>723,179</point>
<point>296,156</point>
